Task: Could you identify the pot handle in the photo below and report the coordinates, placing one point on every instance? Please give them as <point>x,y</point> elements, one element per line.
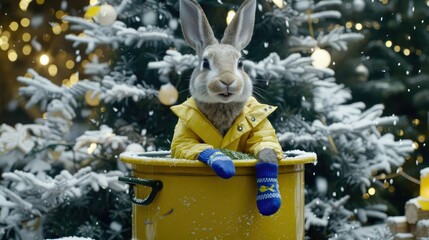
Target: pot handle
<point>156,186</point>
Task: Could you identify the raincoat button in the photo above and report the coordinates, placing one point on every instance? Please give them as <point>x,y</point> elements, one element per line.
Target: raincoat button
<point>252,119</point>
<point>240,128</point>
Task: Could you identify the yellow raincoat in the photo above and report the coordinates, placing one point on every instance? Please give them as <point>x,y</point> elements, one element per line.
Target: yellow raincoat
<point>250,133</point>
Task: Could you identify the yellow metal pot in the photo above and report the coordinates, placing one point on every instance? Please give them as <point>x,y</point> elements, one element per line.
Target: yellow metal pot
<point>184,199</point>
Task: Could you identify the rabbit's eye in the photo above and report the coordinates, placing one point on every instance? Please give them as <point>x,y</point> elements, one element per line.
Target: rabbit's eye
<point>206,64</point>
<point>240,64</point>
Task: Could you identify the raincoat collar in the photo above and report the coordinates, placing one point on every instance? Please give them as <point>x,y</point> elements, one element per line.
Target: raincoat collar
<point>252,114</point>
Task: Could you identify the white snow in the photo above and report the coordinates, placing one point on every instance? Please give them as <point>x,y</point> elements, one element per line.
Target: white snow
<point>424,172</point>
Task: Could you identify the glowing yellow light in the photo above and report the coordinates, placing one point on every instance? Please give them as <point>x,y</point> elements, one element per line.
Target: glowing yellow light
<point>93,2</point>
<point>391,189</point>
<point>419,159</point>
<point>26,37</point>
<point>23,4</point>
<point>6,34</point>
<point>388,43</point>
<point>416,122</point>
<point>25,22</point>
<point>4,39</point>
<point>349,25</point>
<point>13,26</point>
<point>40,2</point>
<point>376,25</point>
<point>12,55</point>
<point>85,62</point>
<point>74,78</point>
<point>69,64</point>
<point>26,50</point>
<point>401,132</point>
<point>427,3</point>
<point>92,99</point>
<point>397,48</point>
<point>371,191</point>
<point>28,75</point>
<point>415,146</point>
<point>386,184</point>
<point>45,116</point>
<point>4,46</point>
<point>62,54</point>
<point>99,52</point>
<point>44,59</point>
<point>66,82</point>
<point>358,26</point>
<point>230,16</point>
<point>321,58</point>
<point>59,14</point>
<point>384,1</point>
<point>421,138</point>
<point>407,52</point>
<point>279,3</point>
<point>56,29</point>
<point>365,196</point>
<point>64,26</point>
<point>52,70</point>
<point>91,148</point>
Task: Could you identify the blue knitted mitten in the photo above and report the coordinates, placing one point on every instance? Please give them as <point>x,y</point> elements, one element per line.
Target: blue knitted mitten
<point>222,165</point>
<point>268,198</point>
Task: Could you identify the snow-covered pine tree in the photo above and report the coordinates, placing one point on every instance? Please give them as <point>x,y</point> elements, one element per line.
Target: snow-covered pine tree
<point>50,168</point>
<point>390,67</point>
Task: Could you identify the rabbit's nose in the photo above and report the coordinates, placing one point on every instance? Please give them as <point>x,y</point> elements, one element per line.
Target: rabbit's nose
<point>227,82</point>
<point>227,78</point>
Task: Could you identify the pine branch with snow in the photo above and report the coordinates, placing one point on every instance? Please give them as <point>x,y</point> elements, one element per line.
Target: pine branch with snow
<point>31,196</point>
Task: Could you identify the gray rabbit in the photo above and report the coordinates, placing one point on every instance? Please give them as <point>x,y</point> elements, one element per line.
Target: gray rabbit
<point>222,114</point>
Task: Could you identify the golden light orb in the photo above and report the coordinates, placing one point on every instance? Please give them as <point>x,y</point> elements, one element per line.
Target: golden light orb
<point>44,59</point>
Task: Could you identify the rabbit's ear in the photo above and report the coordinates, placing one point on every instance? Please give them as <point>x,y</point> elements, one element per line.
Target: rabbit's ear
<point>195,26</point>
<point>239,31</point>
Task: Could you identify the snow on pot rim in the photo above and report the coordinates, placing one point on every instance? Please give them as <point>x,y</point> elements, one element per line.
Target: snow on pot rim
<point>162,158</point>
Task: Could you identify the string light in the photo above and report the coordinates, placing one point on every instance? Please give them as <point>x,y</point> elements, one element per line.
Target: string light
<point>321,58</point>
<point>13,26</point>
<point>279,3</point>
<point>69,64</point>
<point>388,43</point>
<point>40,2</point>
<point>407,52</point>
<point>26,37</point>
<point>371,191</point>
<point>397,48</point>
<point>44,59</point>
<point>91,148</point>
<point>26,49</point>
<point>25,22</point>
<point>56,29</point>
<point>230,15</point>
<point>358,26</point>
<point>349,25</point>
<point>52,70</point>
<point>12,55</point>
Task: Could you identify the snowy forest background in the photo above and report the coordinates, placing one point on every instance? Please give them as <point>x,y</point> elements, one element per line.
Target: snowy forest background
<point>350,78</point>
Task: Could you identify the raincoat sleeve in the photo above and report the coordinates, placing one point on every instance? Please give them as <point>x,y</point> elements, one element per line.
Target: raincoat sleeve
<point>263,136</point>
<point>186,144</point>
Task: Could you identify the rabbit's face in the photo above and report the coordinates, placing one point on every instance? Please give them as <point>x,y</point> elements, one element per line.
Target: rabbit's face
<point>220,77</point>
